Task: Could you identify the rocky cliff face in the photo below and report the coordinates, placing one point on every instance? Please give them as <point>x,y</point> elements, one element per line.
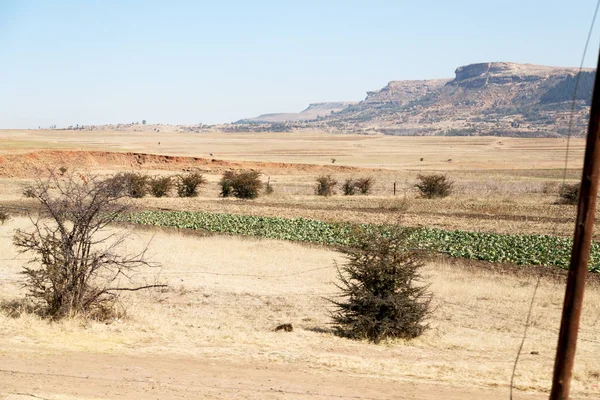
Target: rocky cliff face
<point>496,98</point>
<point>404,91</point>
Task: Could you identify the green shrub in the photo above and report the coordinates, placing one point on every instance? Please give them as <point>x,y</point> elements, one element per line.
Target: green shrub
<point>187,185</point>
<point>382,293</point>
<point>325,185</point>
<point>569,193</point>
<point>226,183</point>
<point>434,185</point>
<point>349,187</point>
<point>243,185</point>
<point>160,186</point>
<point>131,183</point>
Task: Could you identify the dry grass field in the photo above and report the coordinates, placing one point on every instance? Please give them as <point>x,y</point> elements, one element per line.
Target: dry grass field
<point>209,335</point>
<point>226,295</point>
<point>390,152</point>
<point>503,185</point>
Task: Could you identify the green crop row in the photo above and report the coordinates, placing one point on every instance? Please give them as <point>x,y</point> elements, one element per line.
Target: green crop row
<point>517,249</point>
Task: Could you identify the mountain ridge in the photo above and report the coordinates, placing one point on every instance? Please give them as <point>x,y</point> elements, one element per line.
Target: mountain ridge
<point>493,98</point>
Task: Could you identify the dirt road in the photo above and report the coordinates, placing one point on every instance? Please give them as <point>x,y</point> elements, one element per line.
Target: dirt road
<point>94,376</point>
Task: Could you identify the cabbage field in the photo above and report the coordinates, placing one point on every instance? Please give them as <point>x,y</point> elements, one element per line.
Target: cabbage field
<point>518,249</point>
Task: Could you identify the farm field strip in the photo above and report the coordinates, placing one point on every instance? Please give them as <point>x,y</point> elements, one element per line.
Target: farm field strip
<point>544,250</point>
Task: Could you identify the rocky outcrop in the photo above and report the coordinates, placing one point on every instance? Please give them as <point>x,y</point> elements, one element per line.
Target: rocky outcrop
<point>404,91</point>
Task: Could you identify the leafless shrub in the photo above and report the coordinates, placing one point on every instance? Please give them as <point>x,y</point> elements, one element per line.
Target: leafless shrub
<point>325,185</point>
<point>382,293</point>
<point>27,193</point>
<point>361,185</point>
<point>269,188</point>
<point>364,185</point>
<point>160,186</point>
<point>434,185</point>
<point>76,261</point>
<point>187,185</point>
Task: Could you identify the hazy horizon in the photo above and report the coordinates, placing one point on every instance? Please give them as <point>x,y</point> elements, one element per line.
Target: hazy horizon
<point>67,63</point>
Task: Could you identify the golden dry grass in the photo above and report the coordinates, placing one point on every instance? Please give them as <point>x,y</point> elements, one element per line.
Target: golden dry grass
<point>375,151</point>
<point>226,294</point>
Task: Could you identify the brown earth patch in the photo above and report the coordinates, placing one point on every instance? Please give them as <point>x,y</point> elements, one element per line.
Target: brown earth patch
<point>30,164</point>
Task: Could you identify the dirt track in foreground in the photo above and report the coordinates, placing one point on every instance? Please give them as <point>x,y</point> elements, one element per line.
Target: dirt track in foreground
<point>93,376</point>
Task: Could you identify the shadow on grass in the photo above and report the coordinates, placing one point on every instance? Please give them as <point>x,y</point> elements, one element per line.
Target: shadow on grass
<point>320,329</point>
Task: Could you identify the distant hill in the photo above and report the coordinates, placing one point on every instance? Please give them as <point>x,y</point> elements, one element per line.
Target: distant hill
<point>314,111</point>
<point>496,98</point>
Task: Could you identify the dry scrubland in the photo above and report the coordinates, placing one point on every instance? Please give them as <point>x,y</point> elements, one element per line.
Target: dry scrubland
<point>503,185</point>
<point>226,294</point>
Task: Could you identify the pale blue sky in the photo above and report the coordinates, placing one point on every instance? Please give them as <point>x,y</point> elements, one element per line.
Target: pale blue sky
<point>95,62</point>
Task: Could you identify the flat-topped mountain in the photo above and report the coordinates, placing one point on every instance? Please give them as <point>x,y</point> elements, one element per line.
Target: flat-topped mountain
<point>313,111</point>
<point>496,98</point>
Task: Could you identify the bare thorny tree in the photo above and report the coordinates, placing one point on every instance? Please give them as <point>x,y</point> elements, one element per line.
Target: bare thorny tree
<point>76,258</point>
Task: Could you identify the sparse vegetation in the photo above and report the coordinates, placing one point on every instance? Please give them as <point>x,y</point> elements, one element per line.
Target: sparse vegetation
<point>269,188</point>
<point>243,185</point>
<point>75,262</point>
<point>160,186</point>
<point>398,204</point>
<point>434,186</point>
<point>4,216</point>
<point>383,296</point>
<point>187,185</point>
<point>569,193</point>
<point>550,188</point>
<point>325,185</point>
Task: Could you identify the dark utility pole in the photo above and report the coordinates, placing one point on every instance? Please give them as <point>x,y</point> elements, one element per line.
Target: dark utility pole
<point>586,210</point>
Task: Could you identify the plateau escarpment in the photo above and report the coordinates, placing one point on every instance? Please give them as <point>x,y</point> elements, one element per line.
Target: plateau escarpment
<point>495,98</point>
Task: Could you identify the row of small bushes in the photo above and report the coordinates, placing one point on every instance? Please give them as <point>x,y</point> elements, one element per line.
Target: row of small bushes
<point>138,185</point>
<point>430,186</point>
<point>243,184</point>
<point>326,186</point>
